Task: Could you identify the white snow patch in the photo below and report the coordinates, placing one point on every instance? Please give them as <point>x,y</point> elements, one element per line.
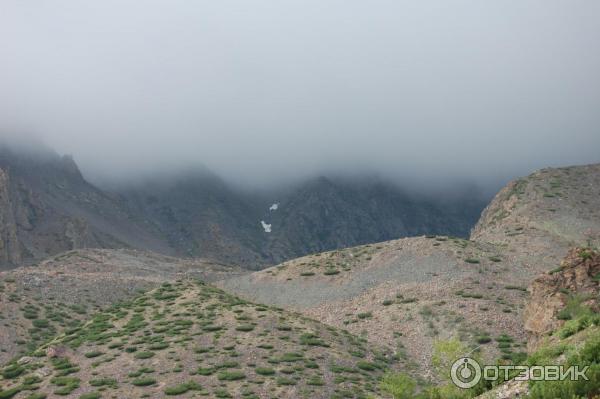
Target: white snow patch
<point>274,206</point>
<point>265,226</point>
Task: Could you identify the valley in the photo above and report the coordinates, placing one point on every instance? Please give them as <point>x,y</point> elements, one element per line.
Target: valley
<point>328,325</point>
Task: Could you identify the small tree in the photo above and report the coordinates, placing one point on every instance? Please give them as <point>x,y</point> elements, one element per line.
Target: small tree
<point>400,386</point>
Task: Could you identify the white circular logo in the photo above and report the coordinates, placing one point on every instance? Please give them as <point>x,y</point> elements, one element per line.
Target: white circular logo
<point>465,373</point>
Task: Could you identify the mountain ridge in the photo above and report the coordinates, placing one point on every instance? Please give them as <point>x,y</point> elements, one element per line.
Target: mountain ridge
<point>49,207</point>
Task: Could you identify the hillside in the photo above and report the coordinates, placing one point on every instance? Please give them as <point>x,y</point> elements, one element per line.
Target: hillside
<point>187,337</point>
<point>541,216</point>
<point>354,305</point>
<point>405,293</point>
<point>47,207</point>
<point>413,291</point>
<point>38,302</point>
<point>563,327</point>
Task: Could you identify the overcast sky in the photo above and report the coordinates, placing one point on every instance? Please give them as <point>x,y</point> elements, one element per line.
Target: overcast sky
<point>267,90</point>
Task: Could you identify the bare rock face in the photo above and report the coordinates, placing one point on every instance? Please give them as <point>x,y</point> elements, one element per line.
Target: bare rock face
<point>9,244</point>
<point>550,293</point>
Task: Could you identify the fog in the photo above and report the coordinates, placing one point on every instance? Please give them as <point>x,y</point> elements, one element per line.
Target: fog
<point>263,92</point>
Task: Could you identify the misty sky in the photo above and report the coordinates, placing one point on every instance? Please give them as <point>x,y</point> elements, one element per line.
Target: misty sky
<point>267,90</point>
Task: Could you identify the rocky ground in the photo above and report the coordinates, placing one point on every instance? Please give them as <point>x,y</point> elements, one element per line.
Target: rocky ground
<point>38,302</point>
<point>562,320</point>
<point>539,217</point>
<point>361,310</point>
<point>187,338</point>
<point>407,293</point>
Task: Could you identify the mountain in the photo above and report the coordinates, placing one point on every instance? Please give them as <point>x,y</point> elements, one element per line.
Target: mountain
<point>411,292</point>
<point>331,324</point>
<point>540,216</point>
<point>324,214</point>
<point>47,207</point>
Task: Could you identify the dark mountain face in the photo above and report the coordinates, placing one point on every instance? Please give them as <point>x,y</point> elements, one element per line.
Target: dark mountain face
<point>48,207</point>
<point>325,214</point>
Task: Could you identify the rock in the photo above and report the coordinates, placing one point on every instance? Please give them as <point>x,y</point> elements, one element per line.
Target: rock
<point>42,372</point>
<point>56,351</point>
<point>25,360</point>
<point>550,293</point>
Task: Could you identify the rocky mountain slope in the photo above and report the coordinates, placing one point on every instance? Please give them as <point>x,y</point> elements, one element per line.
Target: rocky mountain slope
<point>412,291</point>
<point>46,207</point>
<point>541,216</point>
<point>562,321</point>
<point>38,302</point>
<point>187,338</point>
<point>362,311</point>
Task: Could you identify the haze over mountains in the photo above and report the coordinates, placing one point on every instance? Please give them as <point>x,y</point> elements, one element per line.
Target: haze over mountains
<point>293,199</point>
<point>48,207</point>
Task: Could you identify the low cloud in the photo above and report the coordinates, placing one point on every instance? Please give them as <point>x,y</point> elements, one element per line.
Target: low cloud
<point>263,92</point>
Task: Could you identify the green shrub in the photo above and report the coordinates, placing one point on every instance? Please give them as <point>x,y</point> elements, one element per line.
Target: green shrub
<point>264,371</point>
<point>41,323</point>
<point>12,371</point>
<point>285,381</point>
<point>143,382</point>
<point>245,327</point>
<point>99,382</point>
<point>9,393</point>
<point>92,354</point>
<point>66,384</point>
<point>483,339</point>
<point>588,355</point>
<point>315,381</point>
<point>182,388</point>
<point>205,371</point>
<point>144,355</point>
<point>158,346</point>
<point>400,386</point>
<point>367,366</point>
<point>231,375</point>
<point>312,340</point>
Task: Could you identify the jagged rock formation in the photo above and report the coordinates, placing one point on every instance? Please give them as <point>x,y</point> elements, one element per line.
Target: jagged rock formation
<point>570,291</point>
<point>577,278</point>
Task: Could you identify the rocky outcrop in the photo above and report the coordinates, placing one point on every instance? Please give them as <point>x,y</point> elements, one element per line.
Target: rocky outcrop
<point>576,277</point>
<point>9,244</point>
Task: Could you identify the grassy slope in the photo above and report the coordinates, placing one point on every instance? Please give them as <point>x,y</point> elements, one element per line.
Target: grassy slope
<point>40,302</point>
<point>191,337</point>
